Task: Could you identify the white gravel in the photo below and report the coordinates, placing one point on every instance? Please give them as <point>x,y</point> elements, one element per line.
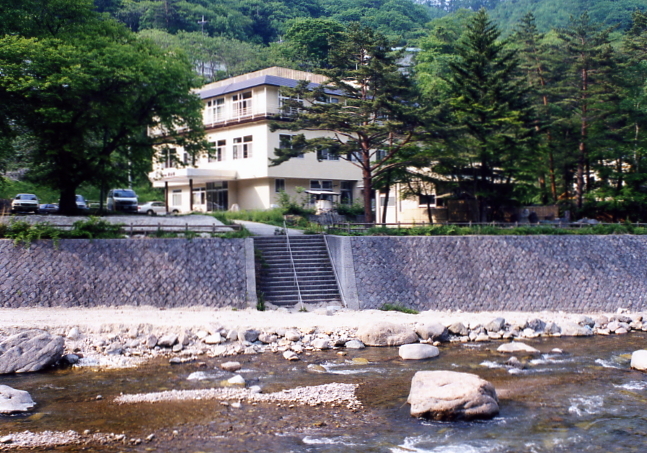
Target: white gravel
<point>335,394</point>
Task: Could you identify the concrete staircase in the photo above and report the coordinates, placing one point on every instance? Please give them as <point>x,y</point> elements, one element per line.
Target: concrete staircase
<point>275,274</point>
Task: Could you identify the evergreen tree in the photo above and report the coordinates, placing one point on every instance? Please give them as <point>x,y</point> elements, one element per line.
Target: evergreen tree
<point>586,87</point>
<point>375,118</point>
<point>490,106</point>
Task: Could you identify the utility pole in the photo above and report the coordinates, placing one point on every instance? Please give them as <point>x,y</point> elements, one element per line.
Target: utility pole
<point>202,22</point>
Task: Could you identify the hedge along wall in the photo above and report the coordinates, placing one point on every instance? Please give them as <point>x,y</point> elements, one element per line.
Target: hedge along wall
<point>112,272</point>
<point>521,273</point>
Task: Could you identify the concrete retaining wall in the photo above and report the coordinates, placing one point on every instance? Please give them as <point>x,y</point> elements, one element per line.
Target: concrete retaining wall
<point>533,273</point>
<point>157,272</point>
<point>523,273</point>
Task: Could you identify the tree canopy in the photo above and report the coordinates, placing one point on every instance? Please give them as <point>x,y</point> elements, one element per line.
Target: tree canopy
<point>87,92</point>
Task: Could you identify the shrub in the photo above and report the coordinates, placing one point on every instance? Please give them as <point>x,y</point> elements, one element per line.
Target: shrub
<point>398,307</point>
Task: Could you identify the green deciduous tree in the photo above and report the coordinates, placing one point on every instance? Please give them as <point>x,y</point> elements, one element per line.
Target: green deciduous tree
<point>89,98</point>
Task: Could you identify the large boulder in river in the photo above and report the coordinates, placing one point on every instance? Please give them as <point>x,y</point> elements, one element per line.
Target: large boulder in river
<point>386,334</point>
<point>639,360</point>
<point>31,350</point>
<point>418,351</point>
<point>12,400</point>
<point>516,346</point>
<point>450,395</point>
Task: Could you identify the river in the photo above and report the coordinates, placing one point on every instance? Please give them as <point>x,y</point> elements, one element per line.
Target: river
<point>586,399</point>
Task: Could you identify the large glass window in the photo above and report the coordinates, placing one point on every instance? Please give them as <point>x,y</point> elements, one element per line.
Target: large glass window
<point>217,196</point>
<point>242,148</point>
<point>216,110</point>
<point>279,185</point>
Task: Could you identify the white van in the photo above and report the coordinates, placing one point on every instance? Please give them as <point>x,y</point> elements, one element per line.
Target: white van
<point>124,200</point>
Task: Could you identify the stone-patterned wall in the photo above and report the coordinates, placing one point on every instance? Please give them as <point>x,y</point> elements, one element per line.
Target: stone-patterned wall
<point>157,272</point>
<point>522,273</point>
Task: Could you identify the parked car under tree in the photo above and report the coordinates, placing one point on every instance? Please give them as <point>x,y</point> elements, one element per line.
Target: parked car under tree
<point>24,202</point>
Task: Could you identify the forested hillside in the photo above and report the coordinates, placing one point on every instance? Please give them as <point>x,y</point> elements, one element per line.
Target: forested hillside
<point>229,37</point>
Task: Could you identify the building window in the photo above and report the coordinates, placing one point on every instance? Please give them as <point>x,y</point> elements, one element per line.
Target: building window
<point>168,157</point>
<point>279,185</point>
<point>176,199</point>
<point>285,142</point>
<point>346,192</point>
<point>242,148</point>
<point>424,200</point>
<point>199,195</point>
<point>242,104</point>
<point>325,154</point>
<point>219,151</point>
<point>216,110</point>
<point>288,108</point>
<point>379,155</point>
<point>317,184</point>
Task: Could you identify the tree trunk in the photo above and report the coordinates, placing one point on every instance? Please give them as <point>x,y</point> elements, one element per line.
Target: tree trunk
<point>67,203</point>
<point>368,189</point>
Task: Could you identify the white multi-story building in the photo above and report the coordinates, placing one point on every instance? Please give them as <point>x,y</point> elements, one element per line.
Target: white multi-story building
<point>237,115</point>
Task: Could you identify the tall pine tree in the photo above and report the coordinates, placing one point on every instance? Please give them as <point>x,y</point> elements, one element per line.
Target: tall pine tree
<point>490,105</point>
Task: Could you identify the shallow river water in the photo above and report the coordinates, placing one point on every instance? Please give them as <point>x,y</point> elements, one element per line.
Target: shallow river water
<point>584,400</point>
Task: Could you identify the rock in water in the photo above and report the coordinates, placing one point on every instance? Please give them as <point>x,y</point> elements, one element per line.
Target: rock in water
<point>12,400</point>
<point>418,351</point>
<point>31,350</point>
<point>516,346</point>
<point>450,395</point>
<point>386,334</point>
<point>639,360</point>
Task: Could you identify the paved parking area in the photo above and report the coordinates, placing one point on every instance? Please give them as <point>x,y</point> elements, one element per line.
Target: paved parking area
<point>193,219</point>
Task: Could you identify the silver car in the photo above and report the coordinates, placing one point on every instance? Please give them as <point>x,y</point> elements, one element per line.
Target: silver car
<point>25,202</point>
<point>152,208</point>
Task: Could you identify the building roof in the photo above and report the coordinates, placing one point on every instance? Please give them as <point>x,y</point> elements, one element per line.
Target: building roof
<point>250,83</point>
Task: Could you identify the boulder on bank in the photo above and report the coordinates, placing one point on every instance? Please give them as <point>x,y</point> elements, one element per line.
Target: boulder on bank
<point>639,360</point>
<point>12,400</point>
<point>432,331</point>
<point>570,329</point>
<point>31,350</point>
<point>418,351</point>
<point>386,334</point>
<point>450,395</point>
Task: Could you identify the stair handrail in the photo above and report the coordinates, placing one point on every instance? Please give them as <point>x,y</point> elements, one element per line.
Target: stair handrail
<point>334,269</point>
<point>294,268</point>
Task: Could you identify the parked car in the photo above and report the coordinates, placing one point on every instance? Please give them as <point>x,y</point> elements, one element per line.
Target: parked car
<point>48,208</point>
<point>81,204</point>
<point>124,200</point>
<point>24,202</point>
<point>152,208</point>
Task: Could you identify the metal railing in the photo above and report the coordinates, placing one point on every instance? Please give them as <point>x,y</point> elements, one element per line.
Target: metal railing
<point>294,268</point>
<point>145,229</point>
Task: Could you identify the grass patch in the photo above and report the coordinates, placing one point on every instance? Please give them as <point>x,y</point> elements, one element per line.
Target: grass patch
<point>400,308</point>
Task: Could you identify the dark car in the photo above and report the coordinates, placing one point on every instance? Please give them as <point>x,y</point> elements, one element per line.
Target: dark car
<point>48,208</point>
